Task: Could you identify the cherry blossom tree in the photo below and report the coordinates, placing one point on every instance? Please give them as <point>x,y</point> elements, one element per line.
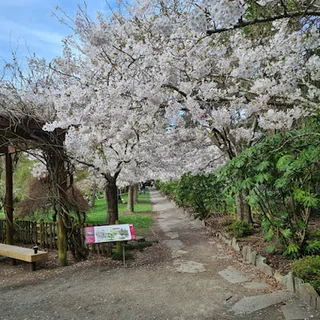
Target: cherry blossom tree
<point>24,107</point>
<point>237,86</point>
<point>124,80</point>
<point>203,59</point>
<point>112,105</point>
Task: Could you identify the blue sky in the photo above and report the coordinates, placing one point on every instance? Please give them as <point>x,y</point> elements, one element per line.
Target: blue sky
<point>30,23</point>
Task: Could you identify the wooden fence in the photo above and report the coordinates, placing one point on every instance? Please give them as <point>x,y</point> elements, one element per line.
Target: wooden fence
<point>43,234</point>
<point>2,230</point>
<point>32,232</point>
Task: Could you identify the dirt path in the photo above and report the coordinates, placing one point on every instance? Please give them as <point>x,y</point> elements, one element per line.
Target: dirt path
<point>188,275</point>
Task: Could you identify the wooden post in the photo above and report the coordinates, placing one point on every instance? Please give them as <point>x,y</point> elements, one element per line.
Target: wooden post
<point>62,217</point>
<point>41,232</point>
<point>124,255</point>
<point>33,266</point>
<point>62,242</point>
<point>8,207</point>
<point>56,166</point>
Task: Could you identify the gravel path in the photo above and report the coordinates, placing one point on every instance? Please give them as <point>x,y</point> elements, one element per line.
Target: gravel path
<point>191,275</point>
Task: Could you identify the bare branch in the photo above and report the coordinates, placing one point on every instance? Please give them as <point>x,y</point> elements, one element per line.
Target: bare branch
<point>242,24</point>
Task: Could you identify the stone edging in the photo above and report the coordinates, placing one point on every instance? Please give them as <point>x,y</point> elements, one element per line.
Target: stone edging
<point>303,291</point>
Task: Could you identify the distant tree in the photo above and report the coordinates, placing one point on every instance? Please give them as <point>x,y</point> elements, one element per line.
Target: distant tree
<point>38,200</point>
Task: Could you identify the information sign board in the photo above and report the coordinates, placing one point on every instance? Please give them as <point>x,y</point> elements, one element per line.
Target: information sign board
<point>111,233</point>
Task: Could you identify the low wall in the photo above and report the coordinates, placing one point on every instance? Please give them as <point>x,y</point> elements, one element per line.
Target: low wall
<point>303,291</point>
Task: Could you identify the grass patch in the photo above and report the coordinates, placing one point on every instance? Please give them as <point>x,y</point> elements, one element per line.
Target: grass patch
<point>97,215</point>
<point>142,222</point>
<point>143,205</point>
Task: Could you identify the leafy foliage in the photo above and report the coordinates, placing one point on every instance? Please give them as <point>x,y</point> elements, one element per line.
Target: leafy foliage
<point>205,194</point>
<point>281,177</point>
<point>119,256</point>
<point>240,229</point>
<point>282,174</point>
<point>38,200</point>
<point>313,247</point>
<point>308,269</point>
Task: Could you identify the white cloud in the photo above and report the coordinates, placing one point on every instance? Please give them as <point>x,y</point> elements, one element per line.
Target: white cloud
<point>11,31</point>
<point>41,41</point>
<point>28,23</point>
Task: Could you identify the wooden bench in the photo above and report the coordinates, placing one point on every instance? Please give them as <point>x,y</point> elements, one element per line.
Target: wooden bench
<point>24,254</point>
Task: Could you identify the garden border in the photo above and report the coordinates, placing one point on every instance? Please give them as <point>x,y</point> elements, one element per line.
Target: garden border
<point>303,291</point>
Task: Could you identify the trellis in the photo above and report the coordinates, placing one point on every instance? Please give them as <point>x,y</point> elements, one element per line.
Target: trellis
<point>21,134</point>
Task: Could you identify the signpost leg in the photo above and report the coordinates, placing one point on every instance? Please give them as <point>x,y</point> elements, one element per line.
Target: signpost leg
<point>99,259</point>
<point>124,255</point>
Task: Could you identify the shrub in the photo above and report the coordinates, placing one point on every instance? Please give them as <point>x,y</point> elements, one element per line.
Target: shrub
<point>40,201</point>
<point>308,269</point>
<point>204,193</point>
<point>119,256</point>
<point>240,229</point>
<point>313,247</point>
<point>139,245</point>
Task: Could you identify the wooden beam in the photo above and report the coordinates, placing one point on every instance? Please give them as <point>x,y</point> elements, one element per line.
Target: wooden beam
<point>7,149</point>
<point>8,206</point>
<point>3,150</point>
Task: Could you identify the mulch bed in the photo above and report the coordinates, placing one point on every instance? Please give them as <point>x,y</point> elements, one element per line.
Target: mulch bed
<point>149,257</point>
<point>218,224</point>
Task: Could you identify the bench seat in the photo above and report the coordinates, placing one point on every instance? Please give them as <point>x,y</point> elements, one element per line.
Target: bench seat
<point>24,254</point>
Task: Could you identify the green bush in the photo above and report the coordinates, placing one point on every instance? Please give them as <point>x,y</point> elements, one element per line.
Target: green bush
<point>308,269</point>
<point>313,247</point>
<point>204,193</point>
<point>168,188</point>
<point>138,245</point>
<point>119,256</point>
<point>240,229</point>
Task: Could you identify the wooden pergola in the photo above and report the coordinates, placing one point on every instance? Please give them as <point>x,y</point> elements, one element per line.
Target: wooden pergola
<point>20,135</point>
<point>13,133</point>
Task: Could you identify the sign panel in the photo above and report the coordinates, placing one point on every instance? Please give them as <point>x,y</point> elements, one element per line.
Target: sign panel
<point>112,233</point>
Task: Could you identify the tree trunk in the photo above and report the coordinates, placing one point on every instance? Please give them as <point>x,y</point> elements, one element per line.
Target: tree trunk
<point>243,208</point>
<point>63,218</point>
<point>135,193</point>
<point>9,200</point>
<point>112,201</point>
<point>130,205</point>
<point>62,242</point>
<point>93,197</point>
<point>59,179</point>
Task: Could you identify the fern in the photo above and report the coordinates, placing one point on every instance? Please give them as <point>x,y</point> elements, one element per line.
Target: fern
<point>284,162</point>
<point>292,250</point>
<point>271,248</point>
<point>313,247</point>
<point>287,233</point>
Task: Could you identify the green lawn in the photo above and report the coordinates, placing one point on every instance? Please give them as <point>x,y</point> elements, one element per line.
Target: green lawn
<point>141,222</point>
<point>143,204</point>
